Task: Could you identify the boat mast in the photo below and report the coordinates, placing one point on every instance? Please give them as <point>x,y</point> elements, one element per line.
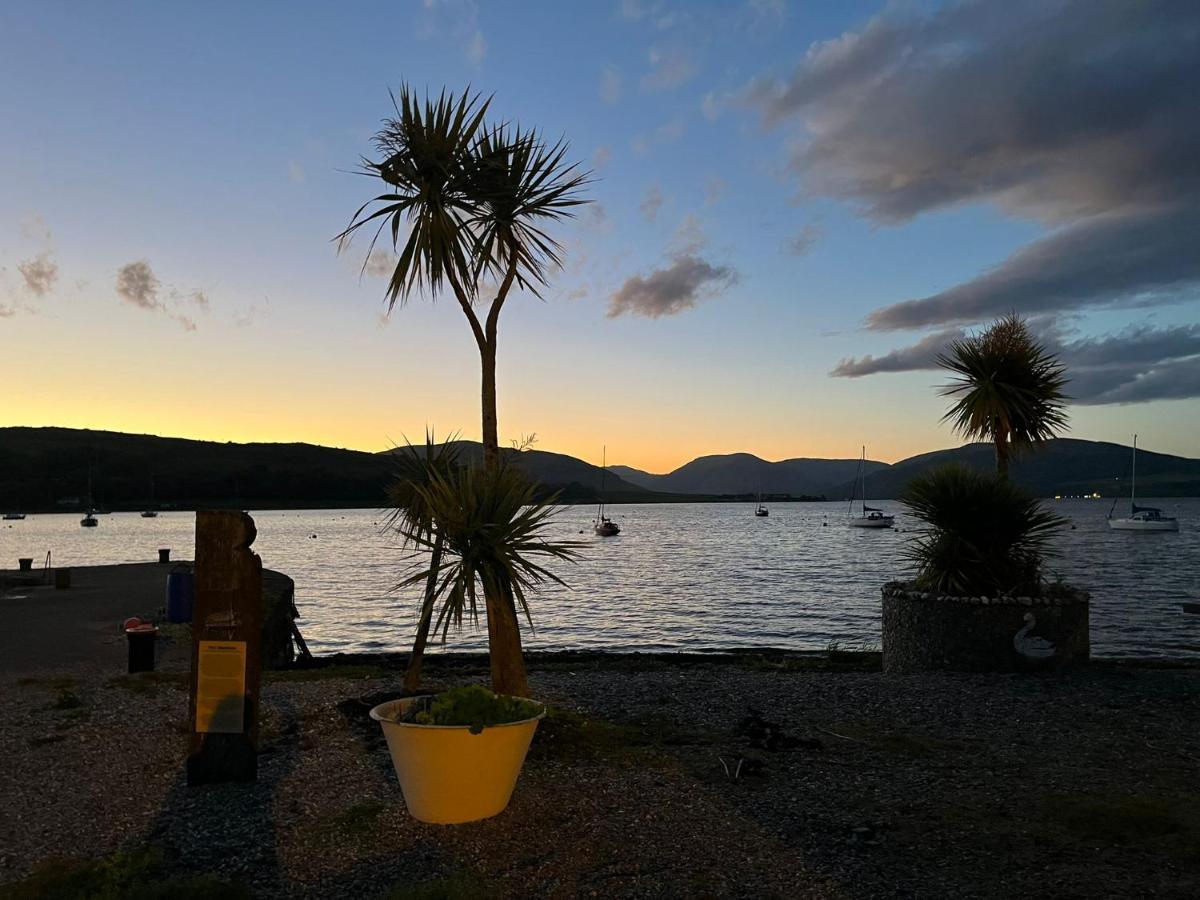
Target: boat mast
<point>1133,481</point>
<point>603,472</point>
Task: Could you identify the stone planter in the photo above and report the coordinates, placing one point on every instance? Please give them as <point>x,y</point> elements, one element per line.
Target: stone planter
<point>924,631</point>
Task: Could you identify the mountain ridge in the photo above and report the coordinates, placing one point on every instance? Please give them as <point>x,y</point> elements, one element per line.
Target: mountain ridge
<point>47,469</point>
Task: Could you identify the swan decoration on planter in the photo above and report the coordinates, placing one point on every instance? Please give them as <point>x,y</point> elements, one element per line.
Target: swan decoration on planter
<point>1030,645</point>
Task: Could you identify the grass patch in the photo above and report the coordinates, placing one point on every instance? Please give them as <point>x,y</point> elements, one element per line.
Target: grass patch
<point>450,887</point>
<point>66,699</point>
<point>325,673</point>
<point>143,874</point>
<point>148,682</point>
<point>358,820</point>
<point>57,683</point>
<point>1117,820</point>
<point>568,735</point>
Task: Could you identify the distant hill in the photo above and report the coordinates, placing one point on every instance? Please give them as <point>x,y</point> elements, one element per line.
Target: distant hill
<point>744,473</point>
<point>46,469</point>
<point>1064,466</point>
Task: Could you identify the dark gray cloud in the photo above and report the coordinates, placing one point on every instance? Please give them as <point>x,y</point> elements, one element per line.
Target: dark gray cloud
<point>1129,258</point>
<point>138,286</point>
<point>1077,113</point>
<point>39,273</point>
<point>921,355</point>
<point>671,290</point>
<point>1137,364</point>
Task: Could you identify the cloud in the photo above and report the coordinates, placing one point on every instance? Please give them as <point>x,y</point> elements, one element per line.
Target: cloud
<point>476,48</point>
<point>671,290</point>
<point>39,273</point>
<point>602,157</point>
<point>665,133</point>
<point>801,242</point>
<point>1080,114</point>
<point>138,286</point>
<point>767,13</point>
<point>295,173</point>
<point>714,187</point>
<point>689,237</point>
<point>1137,364</point>
<point>921,355</point>
<point>6,311</point>
<point>380,263</point>
<point>1126,258</point>
<point>669,68</point>
<point>610,85</point>
<point>651,203</point>
<point>712,105</point>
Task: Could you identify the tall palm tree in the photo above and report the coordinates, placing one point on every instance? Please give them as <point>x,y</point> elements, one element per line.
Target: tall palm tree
<point>476,199</point>
<point>412,514</point>
<point>1007,389</point>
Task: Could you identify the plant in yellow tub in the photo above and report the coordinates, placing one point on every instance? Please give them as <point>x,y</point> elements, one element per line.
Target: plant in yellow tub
<point>458,755</point>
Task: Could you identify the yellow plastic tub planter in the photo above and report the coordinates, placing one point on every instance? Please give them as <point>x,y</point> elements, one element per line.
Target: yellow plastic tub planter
<point>448,774</point>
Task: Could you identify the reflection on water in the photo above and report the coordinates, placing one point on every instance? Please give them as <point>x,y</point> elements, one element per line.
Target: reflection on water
<point>679,576</point>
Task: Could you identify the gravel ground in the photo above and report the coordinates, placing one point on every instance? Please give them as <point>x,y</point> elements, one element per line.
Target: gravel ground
<point>659,780</point>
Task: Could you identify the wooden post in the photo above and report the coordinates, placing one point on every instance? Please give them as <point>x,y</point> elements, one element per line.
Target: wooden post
<point>226,651</point>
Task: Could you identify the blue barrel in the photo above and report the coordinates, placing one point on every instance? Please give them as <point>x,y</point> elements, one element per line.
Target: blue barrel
<point>181,594</point>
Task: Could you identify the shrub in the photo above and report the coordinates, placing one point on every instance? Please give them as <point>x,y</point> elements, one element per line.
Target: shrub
<point>476,706</point>
<point>985,536</point>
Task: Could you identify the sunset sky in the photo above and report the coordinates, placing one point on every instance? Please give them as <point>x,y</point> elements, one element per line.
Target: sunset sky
<point>796,205</point>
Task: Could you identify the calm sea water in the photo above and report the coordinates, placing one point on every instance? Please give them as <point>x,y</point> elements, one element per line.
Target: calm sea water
<point>680,576</point>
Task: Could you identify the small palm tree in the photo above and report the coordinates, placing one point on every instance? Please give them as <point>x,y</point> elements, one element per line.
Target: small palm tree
<point>1007,389</point>
<point>984,536</point>
<point>410,513</point>
<point>476,200</point>
<point>491,528</point>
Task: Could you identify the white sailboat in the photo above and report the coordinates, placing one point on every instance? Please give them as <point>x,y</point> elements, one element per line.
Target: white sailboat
<point>1141,518</point>
<point>871,517</point>
<point>604,526</point>
<point>760,510</point>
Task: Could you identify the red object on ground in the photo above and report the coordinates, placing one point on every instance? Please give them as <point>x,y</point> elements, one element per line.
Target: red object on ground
<point>134,625</point>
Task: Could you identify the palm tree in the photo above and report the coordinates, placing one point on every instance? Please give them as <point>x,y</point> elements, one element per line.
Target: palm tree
<point>475,199</point>
<point>490,526</point>
<point>410,513</point>
<point>1008,389</point>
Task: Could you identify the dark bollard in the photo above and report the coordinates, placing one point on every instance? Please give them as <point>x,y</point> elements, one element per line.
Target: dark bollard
<point>62,579</point>
<point>164,554</point>
<point>25,564</point>
<point>141,647</point>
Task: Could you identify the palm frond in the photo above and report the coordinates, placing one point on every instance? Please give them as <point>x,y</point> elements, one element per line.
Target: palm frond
<point>983,534</point>
<point>424,152</point>
<point>1005,385</point>
<point>492,528</point>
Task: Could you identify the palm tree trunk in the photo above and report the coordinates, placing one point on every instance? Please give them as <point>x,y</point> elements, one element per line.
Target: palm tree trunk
<point>504,632</point>
<point>491,440</point>
<point>504,646</point>
<point>1001,442</point>
<point>412,675</point>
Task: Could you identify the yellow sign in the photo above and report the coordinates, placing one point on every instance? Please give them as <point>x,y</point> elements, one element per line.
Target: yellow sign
<point>221,687</point>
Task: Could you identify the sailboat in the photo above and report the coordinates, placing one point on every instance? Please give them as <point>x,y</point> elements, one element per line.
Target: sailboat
<point>759,509</point>
<point>871,517</point>
<point>89,520</point>
<point>1141,518</point>
<point>151,513</point>
<point>604,526</point>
